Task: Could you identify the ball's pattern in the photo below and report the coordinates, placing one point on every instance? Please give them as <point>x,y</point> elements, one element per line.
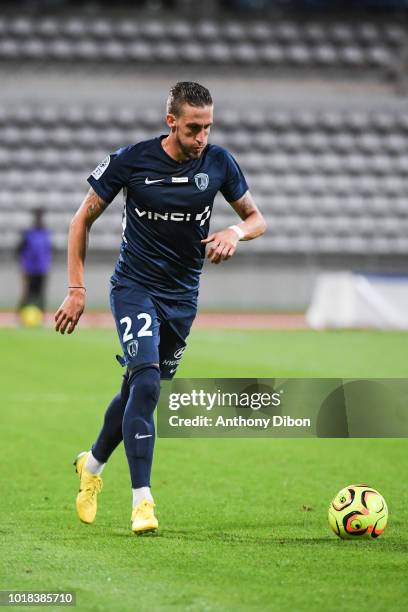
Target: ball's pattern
<point>358,511</point>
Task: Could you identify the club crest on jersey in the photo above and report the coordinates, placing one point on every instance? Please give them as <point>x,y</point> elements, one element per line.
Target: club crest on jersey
<point>132,348</point>
<point>201,180</point>
<point>100,169</point>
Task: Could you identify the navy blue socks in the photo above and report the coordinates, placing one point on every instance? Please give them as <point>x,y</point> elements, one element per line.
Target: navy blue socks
<point>138,424</point>
<point>111,433</point>
<point>129,416</point>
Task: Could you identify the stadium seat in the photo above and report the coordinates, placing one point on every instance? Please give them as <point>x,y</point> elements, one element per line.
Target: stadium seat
<point>258,32</point>
<point>244,53</point>
<point>138,51</point>
<point>207,31</point>
<point>73,28</point>
<point>234,31</point>
<point>191,52</point>
<point>178,30</point>
<point>325,55</point>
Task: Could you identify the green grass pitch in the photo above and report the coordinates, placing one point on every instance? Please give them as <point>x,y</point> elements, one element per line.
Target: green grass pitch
<point>243,522</point>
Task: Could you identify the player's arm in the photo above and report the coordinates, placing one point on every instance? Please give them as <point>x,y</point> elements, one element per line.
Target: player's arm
<point>68,314</point>
<point>223,244</point>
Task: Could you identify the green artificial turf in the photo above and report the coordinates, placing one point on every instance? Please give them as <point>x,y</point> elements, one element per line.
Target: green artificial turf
<point>243,523</point>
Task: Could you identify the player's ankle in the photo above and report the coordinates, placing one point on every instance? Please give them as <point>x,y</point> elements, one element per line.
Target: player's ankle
<point>140,494</point>
<point>93,466</point>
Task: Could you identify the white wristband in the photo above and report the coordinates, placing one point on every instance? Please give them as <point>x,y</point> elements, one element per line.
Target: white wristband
<point>239,232</point>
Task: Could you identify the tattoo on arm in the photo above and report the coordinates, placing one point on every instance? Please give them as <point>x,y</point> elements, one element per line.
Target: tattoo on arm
<point>244,206</point>
<point>94,206</point>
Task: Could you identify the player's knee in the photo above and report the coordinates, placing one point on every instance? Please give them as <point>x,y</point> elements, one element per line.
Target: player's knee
<point>144,385</point>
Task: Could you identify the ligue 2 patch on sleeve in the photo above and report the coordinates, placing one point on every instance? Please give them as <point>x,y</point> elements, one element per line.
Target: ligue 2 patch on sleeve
<point>100,169</point>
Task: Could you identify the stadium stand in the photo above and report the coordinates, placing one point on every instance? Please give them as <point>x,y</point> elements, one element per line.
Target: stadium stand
<point>283,44</point>
<point>328,182</point>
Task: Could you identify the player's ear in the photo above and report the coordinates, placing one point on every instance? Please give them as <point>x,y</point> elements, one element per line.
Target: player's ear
<point>171,121</point>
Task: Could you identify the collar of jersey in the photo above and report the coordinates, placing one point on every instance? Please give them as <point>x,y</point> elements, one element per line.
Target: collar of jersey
<point>177,164</point>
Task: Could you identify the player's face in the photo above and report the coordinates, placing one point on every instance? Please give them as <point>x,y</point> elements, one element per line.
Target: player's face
<point>191,129</point>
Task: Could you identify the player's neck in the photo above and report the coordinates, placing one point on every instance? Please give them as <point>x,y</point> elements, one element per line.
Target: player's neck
<point>172,149</point>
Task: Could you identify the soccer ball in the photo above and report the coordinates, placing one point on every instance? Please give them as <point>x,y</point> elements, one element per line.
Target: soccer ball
<point>358,511</point>
<point>31,316</point>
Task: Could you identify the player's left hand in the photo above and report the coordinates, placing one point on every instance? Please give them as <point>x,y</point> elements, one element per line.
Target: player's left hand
<point>222,245</point>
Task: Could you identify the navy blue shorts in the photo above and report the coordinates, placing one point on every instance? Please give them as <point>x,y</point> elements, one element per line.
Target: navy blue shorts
<point>150,329</point>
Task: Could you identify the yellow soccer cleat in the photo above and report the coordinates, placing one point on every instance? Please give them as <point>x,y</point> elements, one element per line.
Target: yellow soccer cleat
<point>143,519</point>
<point>89,487</point>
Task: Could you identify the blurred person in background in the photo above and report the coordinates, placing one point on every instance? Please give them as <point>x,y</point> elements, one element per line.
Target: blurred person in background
<point>34,254</point>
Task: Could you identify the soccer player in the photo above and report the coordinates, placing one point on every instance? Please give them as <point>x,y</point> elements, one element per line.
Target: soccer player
<point>169,185</point>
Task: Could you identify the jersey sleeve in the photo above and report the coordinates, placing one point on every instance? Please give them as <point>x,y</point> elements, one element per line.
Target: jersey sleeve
<point>234,185</point>
<point>111,175</point>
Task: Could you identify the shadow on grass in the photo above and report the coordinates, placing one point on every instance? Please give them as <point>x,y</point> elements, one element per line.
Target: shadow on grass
<point>232,538</point>
<point>385,545</point>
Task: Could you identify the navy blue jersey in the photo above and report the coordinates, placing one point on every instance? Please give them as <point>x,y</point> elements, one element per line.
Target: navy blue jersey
<point>167,211</point>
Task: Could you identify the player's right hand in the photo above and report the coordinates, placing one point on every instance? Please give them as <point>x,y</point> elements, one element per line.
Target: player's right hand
<point>68,314</point>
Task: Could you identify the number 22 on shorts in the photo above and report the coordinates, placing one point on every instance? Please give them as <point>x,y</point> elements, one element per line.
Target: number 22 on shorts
<point>144,331</point>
